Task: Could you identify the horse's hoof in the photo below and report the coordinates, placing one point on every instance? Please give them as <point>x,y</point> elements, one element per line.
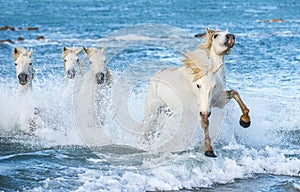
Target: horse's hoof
<point>245,124</point>
<point>210,154</point>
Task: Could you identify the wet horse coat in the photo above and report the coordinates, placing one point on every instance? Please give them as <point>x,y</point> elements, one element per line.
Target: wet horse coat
<point>190,91</point>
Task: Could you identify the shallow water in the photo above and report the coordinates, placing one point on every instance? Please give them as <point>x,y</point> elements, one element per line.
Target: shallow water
<point>142,37</point>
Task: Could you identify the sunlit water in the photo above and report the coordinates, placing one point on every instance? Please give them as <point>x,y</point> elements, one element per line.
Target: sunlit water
<point>141,38</point>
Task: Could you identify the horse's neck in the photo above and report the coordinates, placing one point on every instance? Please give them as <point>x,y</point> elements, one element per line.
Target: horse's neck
<point>218,60</point>
<point>81,68</point>
<point>69,81</point>
<point>68,89</point>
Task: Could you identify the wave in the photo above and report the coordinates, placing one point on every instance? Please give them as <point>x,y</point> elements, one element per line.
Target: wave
<point>269,146</point>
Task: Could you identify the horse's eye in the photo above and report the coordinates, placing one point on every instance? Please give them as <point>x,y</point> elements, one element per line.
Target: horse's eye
<point>198,86</point>
<point>77,60</point>
<point>216,35</point>
<point>16,64</point>
<point>65,60</point>
<point>30,63</point>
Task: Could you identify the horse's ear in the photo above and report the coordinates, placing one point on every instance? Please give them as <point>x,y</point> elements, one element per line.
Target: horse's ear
<point>103,49</point>
<point>200,35</point>
<point>85,49</point>
<point>208,31</point>
<point>78,51</point>
<point>16,50</point>
<point>30,52</point>
<point>16,54</point>
<point>65,49</point>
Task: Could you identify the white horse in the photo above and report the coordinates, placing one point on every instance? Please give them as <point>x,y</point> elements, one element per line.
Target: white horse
<point>191,90</point>
<point>24,68</point>
<point>72,65</point>
<point>91,99</point>
<point>24,72</point>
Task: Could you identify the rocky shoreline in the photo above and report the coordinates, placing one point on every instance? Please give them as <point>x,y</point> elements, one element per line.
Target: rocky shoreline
<point>11,28</point>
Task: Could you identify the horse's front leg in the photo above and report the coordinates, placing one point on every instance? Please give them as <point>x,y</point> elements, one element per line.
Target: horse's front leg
<point>244,119</point>
<point>209,151</point>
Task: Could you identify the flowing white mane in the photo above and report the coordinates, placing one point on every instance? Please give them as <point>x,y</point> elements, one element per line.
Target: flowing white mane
<point>198,63</point>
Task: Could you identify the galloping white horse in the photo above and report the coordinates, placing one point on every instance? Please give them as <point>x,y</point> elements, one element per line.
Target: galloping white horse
<point>91,99</point>
<point>71,62</point>
<point>24,68</point>
<point>24,71</point>
<point>191,90</point>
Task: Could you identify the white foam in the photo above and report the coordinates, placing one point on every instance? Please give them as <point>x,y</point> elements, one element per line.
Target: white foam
<point>43,105</point>
<point>192,170</point>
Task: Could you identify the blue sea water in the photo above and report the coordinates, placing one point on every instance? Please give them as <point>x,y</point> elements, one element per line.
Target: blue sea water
<point>142,37</point>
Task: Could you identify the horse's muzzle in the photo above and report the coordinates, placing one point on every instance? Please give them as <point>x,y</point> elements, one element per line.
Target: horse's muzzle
<point>230,40</point>
<point>100,78</point>
<point>71,73</point>
<point>22,78</point>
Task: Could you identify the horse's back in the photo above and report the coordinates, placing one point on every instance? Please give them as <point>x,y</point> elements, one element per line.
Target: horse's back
<point>171,86</point>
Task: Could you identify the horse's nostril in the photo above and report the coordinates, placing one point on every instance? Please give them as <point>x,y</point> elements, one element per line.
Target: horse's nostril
<point>230,40</point>
<point>228,36</point>
<point>205,115</point>
<point>100,78</point>
<point>22,77</point>
<point>209,114</point>
<point>71,73</point>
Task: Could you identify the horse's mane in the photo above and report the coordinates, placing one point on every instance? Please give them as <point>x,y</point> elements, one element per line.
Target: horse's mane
<point>208,40</point>
<point>198,62</point>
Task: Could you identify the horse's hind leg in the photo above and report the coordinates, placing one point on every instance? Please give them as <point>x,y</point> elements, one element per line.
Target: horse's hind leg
<point>209,151</point>
<point>244,119</point>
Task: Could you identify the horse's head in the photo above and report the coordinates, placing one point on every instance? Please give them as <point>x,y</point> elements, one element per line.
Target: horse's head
<point>97,59</point>
<point>205,87</point>
<point>23,62</point>
<point>71,59</point>
<point>203,71</point>
<point>219,42</point>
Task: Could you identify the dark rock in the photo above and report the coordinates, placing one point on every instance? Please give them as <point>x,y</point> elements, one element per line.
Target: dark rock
<point>20,39</point>
<point>274,21</point>
<point>40,37</point>
<point>32,28</point>
<point>7,28</point>
<point>6,41</point>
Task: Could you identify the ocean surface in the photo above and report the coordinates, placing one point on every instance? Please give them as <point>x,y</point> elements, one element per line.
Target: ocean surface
<point>142,37</point>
